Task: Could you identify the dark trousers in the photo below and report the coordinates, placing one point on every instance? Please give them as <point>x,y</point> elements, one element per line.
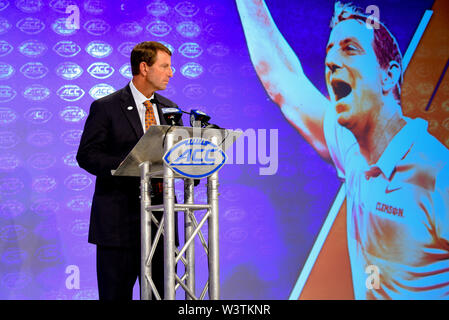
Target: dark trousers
<point>119,268</point>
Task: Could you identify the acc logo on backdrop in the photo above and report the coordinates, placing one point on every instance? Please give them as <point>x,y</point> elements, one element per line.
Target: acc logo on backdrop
<point>44,207</point>
<point>220,70</point>
<point>125,71</point>
<point>40,138</point>
<point>97,27</point>
<point>66,48</point>
<point>60,27</point>
<point>14,256</point>
<point>77,182</point>
<point>158,9</point>
<point>100,70</point>
<point>8,161</point>
<point>7,93</point>
<point>12,233</point>
<point>11,208</point>
<point>11,186</point>
<point>190,50</point>
<point>69,159</point>
<point>8,140</point>
<point>192,70</point>
<point>218,49</point>
<point>6,71</point>
<point>194,91</point>
<point>48,253</point>
<point>69,70</point>
<point>159,28</point>
<point>99,49</point>
<point>125,48</point>
<point>5,48</point>
<point>36,92</point>
<point>130,29</point>
<point>94,6</point>
<point>4,25</point>
<point>101,90</point>
<point>32,48</point>
<point>38,115</point>
<point>41,161</point>
<point>47,229</point>
<point>71,137</point>
<point>4,4</point>
<point>70,92</point>
<point>7,115</point>
<point>79,227</point>
<point>43,184</point>
<point>188,29</point>
<point>79,204</point>
<point>30,25</point>
<point>61,5</point>
<point>28,6</point>
<point>16,280</point>
<point>186,9</point>
<point>34,70</point>
<point>195,158</point>
<point>72,114</point>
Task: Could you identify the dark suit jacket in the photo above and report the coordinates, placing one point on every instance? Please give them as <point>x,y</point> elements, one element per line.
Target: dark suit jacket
<point>110,132</point>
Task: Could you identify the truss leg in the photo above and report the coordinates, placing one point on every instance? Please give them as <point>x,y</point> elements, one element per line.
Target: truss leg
<point>188,230</point>
<point>169,237</point>
<point>145,231</point>
<point>214,267</point>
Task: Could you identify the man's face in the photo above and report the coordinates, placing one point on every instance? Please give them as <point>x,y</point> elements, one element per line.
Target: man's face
<point>158,75</point>
<point>353,74</point>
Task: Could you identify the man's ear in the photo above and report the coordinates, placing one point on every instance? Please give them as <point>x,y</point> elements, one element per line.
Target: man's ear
<point>143,67</point>
<point>391,76</point>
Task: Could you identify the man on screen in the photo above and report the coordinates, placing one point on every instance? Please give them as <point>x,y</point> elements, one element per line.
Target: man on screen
<point>114,126</point>
<point>396,174</point>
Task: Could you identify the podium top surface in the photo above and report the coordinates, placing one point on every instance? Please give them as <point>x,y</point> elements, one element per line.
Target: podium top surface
<point>151,146</point>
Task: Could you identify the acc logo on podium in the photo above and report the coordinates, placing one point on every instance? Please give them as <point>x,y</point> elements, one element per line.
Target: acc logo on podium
<point>195,158</point>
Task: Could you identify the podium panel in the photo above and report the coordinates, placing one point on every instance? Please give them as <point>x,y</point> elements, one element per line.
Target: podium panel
<point>146,160</point>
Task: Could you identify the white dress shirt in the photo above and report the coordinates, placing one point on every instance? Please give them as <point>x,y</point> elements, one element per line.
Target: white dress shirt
<point>139,99</point>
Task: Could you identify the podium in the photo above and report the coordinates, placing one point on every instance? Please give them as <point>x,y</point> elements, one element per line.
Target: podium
<point>196,156</point>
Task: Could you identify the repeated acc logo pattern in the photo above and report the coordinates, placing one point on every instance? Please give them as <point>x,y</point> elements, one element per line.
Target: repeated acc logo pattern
<point>50,100</point>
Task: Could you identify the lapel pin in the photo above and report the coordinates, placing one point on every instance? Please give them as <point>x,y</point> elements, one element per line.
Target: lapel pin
<point>130,107</point>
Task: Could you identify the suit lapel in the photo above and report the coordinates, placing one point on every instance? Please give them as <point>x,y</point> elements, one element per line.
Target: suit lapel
<point>129,108</point>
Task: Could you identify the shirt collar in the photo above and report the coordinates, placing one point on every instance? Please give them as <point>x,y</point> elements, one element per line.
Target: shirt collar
<point>400,145</point>
<point>139,97</point>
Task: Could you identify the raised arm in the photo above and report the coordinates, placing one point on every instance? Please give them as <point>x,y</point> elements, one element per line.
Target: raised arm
<point>281,74</point>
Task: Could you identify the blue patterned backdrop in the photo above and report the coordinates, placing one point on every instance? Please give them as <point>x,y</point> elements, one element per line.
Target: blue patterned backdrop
<point>51,71</point>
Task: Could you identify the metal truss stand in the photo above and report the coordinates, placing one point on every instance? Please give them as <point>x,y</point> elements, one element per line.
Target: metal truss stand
<point>145,160</point>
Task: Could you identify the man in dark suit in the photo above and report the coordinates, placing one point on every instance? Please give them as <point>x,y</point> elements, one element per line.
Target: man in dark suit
<point>114,126</point>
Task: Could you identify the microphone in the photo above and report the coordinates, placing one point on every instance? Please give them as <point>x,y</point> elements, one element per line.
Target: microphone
<point>172,115</point>
<point>201,118</point>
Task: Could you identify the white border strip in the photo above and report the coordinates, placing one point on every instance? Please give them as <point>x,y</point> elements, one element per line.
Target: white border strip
<point>416,38</point>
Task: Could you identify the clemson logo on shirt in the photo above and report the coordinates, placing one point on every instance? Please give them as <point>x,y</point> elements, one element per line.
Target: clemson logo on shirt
<point>382,207</point>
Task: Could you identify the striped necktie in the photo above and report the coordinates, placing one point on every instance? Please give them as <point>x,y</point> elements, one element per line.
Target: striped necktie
<point>150,119</point>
